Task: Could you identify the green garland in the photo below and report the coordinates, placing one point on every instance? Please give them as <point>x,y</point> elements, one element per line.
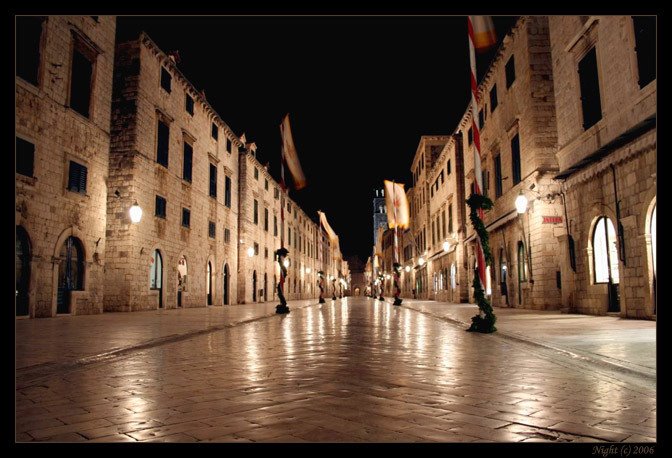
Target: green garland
<point>485,320</point>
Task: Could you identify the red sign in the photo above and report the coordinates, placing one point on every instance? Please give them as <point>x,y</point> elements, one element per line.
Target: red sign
<point>551,219</point>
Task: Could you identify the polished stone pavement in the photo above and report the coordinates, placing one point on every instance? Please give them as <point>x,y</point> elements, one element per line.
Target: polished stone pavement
<point>351,370</point>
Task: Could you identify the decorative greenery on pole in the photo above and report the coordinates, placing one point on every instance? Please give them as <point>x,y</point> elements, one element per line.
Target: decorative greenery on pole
<point>485,320</point>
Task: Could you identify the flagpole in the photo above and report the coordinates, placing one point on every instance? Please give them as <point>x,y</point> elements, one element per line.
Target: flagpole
<point>282,252</point>
<point>483,322</point>
<point>396,267</point>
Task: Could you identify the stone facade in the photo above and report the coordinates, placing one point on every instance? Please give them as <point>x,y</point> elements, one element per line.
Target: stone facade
<point>379,213</point>
<point>55,197</point>
<point>142,102</point>
<point>526,248</point>
<point>607,169</point>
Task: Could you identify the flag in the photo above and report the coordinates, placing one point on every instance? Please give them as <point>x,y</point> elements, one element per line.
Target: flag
<point>483,32</point>
<point>325,224</point>
<point>290,156</point>
<point>397,205</point>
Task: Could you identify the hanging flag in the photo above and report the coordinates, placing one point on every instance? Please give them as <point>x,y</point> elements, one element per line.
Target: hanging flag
<point>325,224</point>
<point>483,32</point>
<point>290,156</point>
<point>397,205</point>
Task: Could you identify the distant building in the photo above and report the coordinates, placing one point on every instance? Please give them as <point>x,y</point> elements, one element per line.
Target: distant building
<point>379,213</point>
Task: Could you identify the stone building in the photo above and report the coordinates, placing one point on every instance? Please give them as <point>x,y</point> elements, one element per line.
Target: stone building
<point>379,213</point>
<point>604,70</point>
<point>518,143</point>
<point>447,223</point>
<point>175,156</point>
<point>262,203</point>
<point>426,155</point>
<point>62,124</point>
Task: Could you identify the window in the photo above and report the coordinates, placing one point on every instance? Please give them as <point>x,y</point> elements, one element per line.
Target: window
<point>441,175</point>
<point>187,161</point>
<point>77,178</point>
<point>276,193</point>
<point>227,235</point>
<point>443,222</point>
<point>289,236</point>
<point>215,131</point>
<point>481,120</point>
<point>590,89</point>
<point>211,229</point>
<point>522,263</point>
<point>515,159</point>
<point>25,157</point>
<point>166,79</point>
<point>256,249</point>
<point>266,219</point>
<point>28,37</point>
<point>213,180</point>
<point>275,225</point>
<point>266,253</point>
<point>448,168</point>
<point>162,143</point>
<point>186,217</point>
<point>498,176</point>
<point>289,208</point>
<point>433,233</point>
<point>470,136</point>
<point>256,211</point>
<point>510,70</point>
<point>431,191</point>
<point>486,182</point>
<point>605,252</point>
<point>81,78</point>
<point>493,98</point>
<point>227,191</point>
<point>189,104</point>
<point>450,218</point>
<point>160,207</point>
<point>266,184</point>
<point>256,173</point>
<point>645,47</point>
<point>228,145</point>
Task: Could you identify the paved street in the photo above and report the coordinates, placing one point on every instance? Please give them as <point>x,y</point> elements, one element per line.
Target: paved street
<point>352,370</point>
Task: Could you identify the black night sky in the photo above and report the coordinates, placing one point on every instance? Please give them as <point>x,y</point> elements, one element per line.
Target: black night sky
<point>360,92</point>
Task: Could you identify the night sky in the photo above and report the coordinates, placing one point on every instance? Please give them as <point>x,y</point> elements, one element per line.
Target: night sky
<point>360,92</point>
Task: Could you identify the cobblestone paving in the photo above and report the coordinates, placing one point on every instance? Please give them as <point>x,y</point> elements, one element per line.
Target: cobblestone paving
<point>347,371</point>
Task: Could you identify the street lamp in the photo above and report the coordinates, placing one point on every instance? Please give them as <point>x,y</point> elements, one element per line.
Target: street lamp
<point>135,213</point>
<point>421,261</point>
<point>446,246</point>
<point>286,263</point>
<point>407,269</point>
<point>250,252</point>
<point>307,270</point>
<point>521,203</point>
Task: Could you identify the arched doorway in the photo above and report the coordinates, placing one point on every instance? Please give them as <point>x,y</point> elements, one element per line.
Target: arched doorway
<point>605,260</point>
<point>225,296</point>
<point>265,287</point>
<point>22,270</point>
<point>653,255</point>
<point>70,272</point>
<point>254,286</point>
<point>156,275</point>
<point>208,284</point>
<point>181,279</point>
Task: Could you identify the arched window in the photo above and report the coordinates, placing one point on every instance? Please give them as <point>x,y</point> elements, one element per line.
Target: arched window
<point>156,271</point>
<point>605,252</point>
<point>452,276</point>
<point>522,262</point>
<point>502,265</point>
